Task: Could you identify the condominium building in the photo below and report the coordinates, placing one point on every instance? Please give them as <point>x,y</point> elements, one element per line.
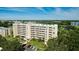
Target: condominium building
<point>5,31</point>
<point>75,23</point>
<point>33,30</point>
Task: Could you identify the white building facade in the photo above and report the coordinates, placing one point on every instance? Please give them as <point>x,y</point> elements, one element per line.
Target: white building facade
<point>33,30</point>
<point>75,23</point>
<point>3,31</point>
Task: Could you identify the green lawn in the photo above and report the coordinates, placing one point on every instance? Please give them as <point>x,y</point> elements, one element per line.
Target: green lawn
<point>38,44</point>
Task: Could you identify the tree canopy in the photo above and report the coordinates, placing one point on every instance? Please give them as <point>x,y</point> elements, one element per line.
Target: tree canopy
<point>68,40</point>
<point>10,44</point>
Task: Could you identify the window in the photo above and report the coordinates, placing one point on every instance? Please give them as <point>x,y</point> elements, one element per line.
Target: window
<point>53,27</point>
<point>53,32</point>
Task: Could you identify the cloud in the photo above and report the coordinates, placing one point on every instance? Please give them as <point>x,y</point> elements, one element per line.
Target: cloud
<point>60,14</point>
<point>58,10</point>
<point>42,9</point>
<point>56,13</point>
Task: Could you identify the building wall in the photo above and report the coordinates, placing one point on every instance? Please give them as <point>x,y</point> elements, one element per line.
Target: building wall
<point>75,23</point>
<point>3,31</point>
<point>9,31</point>
<point>34,30</point>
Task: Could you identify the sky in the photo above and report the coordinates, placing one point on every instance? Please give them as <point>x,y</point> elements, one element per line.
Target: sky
<point>39,13</point>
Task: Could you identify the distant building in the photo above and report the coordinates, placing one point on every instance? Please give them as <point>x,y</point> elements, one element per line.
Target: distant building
<point>33,30</point>
<point>75,23</point>
<point>5,31</point>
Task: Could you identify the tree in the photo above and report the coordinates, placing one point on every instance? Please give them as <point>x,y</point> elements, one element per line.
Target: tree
<point>10,44</point>
<point>74,40</point>
<point>52,45</point>
<point>2,41</point>
<point>68,40</point>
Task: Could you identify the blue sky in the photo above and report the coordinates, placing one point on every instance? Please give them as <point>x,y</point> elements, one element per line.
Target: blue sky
<point>39,13</point>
